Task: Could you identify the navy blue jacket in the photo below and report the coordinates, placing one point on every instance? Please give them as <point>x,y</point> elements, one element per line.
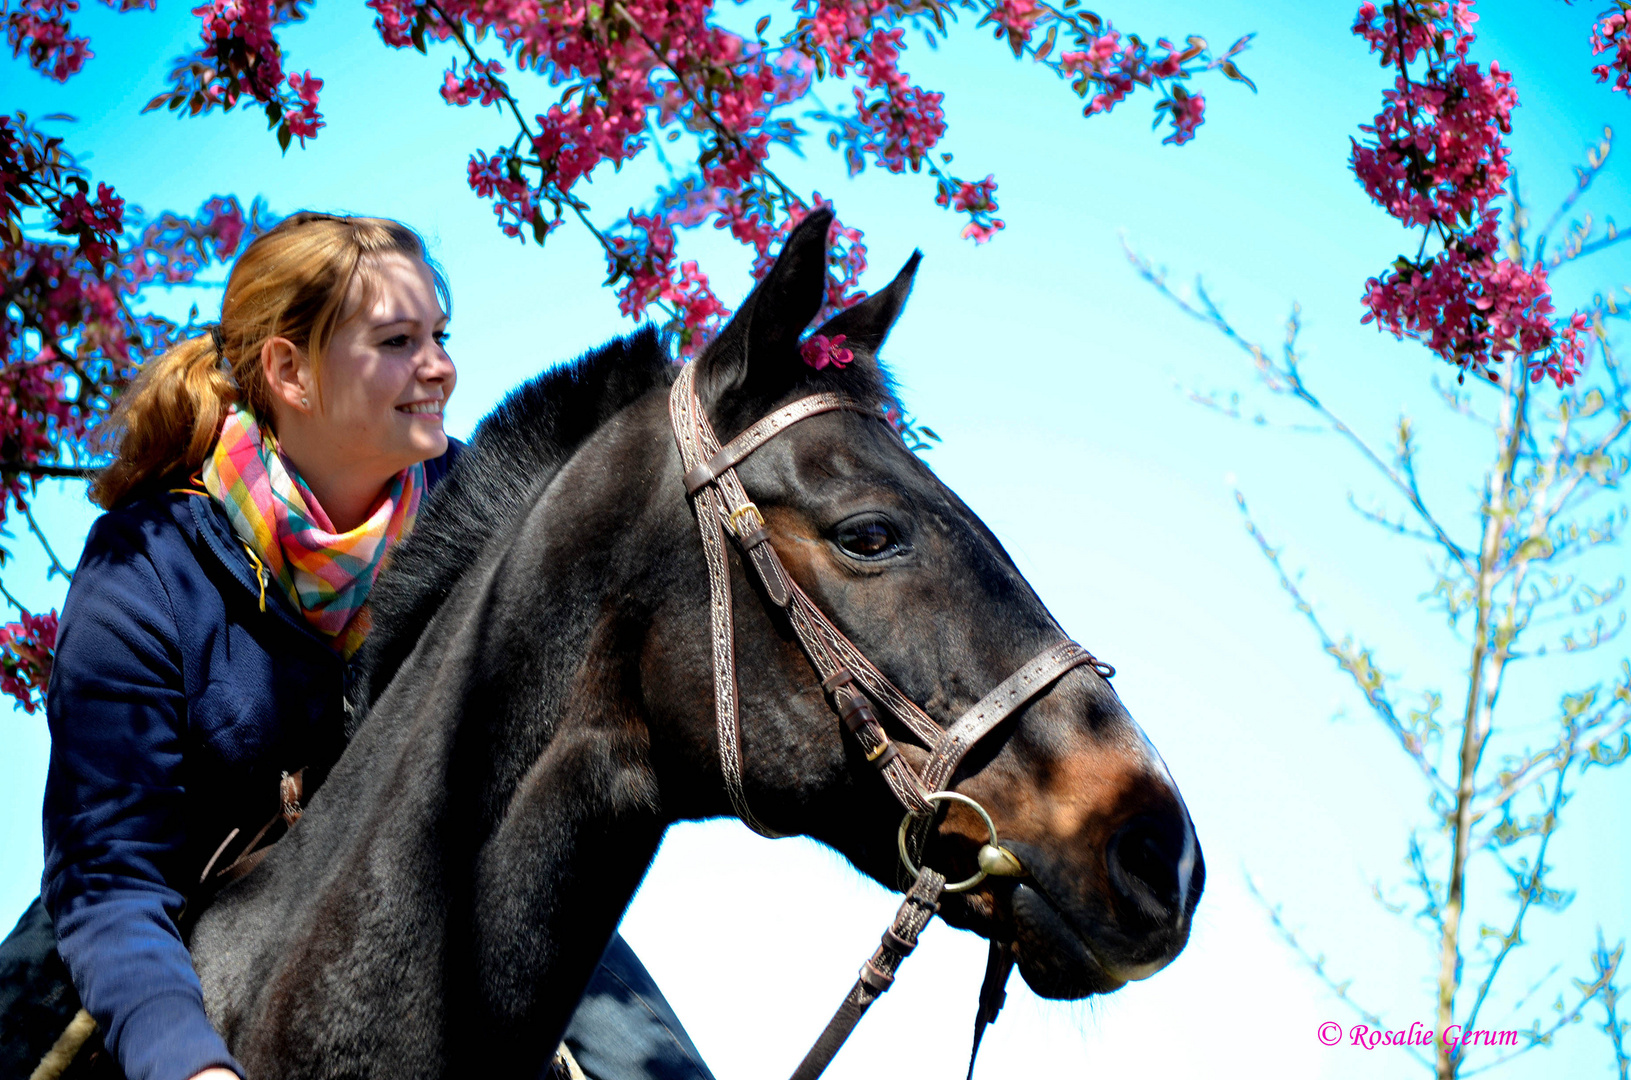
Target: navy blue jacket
<point>176,701</point>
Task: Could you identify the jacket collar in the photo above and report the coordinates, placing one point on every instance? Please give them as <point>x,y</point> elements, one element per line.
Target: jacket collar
<point>214,533</point>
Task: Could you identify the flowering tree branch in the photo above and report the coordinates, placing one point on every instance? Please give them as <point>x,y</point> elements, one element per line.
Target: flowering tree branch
<point>72,268</point>
<point>1434,158</point>
<point>1553,461</point>
<point>627,74</point>
<point>1284,378</point>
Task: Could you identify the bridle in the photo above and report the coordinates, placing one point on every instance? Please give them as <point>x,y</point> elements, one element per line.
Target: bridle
<point>852,684</point>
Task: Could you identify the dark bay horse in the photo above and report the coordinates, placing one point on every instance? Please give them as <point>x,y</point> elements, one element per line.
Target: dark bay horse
<point>540,706</point>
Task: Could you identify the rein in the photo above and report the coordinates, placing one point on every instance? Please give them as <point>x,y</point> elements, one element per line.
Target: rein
<point>852,684</point>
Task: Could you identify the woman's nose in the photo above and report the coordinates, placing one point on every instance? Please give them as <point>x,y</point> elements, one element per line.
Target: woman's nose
<point>438,366</point>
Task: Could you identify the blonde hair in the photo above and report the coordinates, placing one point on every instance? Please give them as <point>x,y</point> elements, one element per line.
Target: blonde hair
<point>292,282</point>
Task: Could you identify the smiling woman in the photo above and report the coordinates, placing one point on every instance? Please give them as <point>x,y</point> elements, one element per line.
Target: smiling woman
<point>374,407</point>
<point>260,474</point>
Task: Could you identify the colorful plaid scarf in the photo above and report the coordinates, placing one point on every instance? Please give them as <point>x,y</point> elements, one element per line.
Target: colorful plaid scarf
<point>326,574</point>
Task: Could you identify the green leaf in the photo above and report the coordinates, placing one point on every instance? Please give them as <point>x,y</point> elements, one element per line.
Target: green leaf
<point>1536,547</point>
<point>283,136</point>
<point>1229,69</point>
<point>1046,48</point>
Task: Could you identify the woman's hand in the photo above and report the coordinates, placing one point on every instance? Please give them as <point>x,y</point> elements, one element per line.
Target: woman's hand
<point>216,1074</point>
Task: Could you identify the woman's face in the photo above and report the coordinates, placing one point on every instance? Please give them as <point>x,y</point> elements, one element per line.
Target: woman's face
<point>385,378</point>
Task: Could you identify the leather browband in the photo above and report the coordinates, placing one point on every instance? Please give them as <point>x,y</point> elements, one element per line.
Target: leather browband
<point>735,451</point>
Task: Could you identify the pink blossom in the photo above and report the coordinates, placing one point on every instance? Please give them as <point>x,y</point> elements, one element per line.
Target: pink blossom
<point>1188,112</point>
<point>394,19</point>
<point>479,80</point>
<point>818,351</point>
<point>1435,158</point>
<point>982,231</point>
<point>238,35</point>
<point>1016,17</point>
<point>967,196</point>
<point>304,120</point>
<point>27,648</point>
<point>40,28</point>
<point>1613,34</point>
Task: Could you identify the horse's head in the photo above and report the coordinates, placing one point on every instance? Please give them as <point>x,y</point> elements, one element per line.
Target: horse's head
<point>1110,870</point>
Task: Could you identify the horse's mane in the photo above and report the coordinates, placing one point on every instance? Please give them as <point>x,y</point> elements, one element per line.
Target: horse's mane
<point>515,451</point>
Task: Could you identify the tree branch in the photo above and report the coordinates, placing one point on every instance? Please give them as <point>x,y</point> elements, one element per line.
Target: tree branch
<point>50,472</point>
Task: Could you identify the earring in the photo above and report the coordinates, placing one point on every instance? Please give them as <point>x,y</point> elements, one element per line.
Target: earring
<point>305,403</point>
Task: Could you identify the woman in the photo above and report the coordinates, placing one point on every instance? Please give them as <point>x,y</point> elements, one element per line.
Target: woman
<point>262,472</point>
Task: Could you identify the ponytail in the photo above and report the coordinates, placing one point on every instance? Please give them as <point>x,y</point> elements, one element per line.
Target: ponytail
<point>167,420</point>
<point>294,281</point>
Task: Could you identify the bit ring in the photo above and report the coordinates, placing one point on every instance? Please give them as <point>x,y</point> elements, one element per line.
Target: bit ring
<point>948,796</point>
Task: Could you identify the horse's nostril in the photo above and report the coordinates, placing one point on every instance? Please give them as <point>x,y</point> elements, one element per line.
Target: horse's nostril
<point>1144,859</point>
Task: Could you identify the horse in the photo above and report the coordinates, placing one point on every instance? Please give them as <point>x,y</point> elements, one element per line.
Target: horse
<point>543,696</point>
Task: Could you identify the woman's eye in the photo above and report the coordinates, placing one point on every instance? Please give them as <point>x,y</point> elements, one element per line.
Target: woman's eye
<point>871,539</point>
<point>441,337</point>
<point>400,341</point>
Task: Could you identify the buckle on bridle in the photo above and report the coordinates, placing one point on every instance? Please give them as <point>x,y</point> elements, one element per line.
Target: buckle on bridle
<point>747,507</point>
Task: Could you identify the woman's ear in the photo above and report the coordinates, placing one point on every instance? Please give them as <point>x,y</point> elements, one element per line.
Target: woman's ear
<point>288,374</point>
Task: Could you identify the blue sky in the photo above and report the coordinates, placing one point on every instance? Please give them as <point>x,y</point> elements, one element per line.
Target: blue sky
<point>1042,347</point>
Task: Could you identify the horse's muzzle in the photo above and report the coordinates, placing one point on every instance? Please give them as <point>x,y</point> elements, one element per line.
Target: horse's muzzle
<point>1073,942</point>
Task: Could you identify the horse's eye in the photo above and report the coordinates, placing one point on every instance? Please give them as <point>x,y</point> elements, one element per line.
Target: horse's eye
<point>869,538</point>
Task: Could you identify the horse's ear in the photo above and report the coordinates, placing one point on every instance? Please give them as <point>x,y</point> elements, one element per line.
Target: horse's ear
<point>866,324</point>
<point>762,337</point>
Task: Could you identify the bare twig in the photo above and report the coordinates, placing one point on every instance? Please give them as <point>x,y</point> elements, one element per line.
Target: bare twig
<point>56,566</point>
<point>1286,379</point>
<point>12,600</point>
<point>1316,964</point>
<point>1359,666</point>
<point>1527,892</point>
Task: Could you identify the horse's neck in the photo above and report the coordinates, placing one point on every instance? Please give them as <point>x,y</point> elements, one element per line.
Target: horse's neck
<point>471,853</point>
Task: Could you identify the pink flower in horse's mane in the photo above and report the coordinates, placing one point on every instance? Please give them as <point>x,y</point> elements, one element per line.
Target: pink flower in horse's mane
<point>819,350</point>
